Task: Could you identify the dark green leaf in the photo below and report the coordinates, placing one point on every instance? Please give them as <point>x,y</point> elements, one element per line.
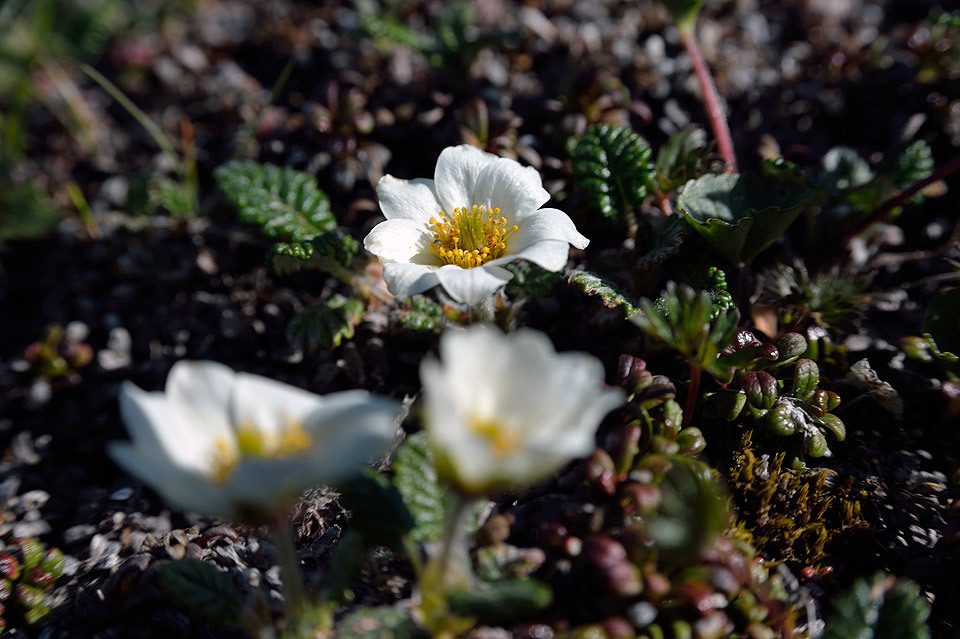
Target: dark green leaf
<point>613,166</point>
<point>416,479</point>
<point>377,510</point>
<point>325,324</point>
<point>201,591</point>
<point>740,215</point>
<point>592,284</point>
<point>684,157</point>
<point>531,281</point>
<point>880,607</point>
<point>321,252</point>
<point>502,602</point>
<point>284,202</point>
<point>379,623</point>
<point>665,242</point>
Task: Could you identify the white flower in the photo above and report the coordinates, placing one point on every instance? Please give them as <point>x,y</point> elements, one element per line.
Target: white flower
<point>506,411</point>
<point>242,446</point>
<point>459,229</point>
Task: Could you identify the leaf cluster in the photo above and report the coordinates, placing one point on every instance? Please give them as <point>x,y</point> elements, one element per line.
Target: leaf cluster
<point>325,324</point>
<point>613,166</point>
<point>831,300</point>
<point>880,606</point>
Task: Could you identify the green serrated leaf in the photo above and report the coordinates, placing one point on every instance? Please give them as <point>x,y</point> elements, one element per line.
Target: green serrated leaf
<point>665,242</point>
<point>941,322</point>
<point>325,324</point>
<point>379,623</point>
<point>880,607</point>
<point>592,284</point>
<point>415,476</point>
<point>424,316</point>
<point>201,591</point>
<point>613,166</point>
<point>683,158</point>
<point>377,510</point>
<point>171,196</point>
<point>284,202</point>
<point>502,602</point>
<point>316,253</point>
<point>740,215</point>
<point>531,281</point>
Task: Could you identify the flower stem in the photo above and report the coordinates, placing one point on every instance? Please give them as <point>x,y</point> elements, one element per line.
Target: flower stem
<point>294,595</point>
<point>711,99</point>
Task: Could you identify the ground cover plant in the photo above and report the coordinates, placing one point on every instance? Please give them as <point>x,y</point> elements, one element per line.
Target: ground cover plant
<point>479,319</point>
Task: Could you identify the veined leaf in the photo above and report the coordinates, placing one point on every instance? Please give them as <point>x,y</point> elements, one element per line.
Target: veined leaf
<point>284,202</point>
<point>416,479</point>
<point>201,591</point>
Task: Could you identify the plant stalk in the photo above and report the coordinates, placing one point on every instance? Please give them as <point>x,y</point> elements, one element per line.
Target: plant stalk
<point>294,595</point>
<point>711,99</point>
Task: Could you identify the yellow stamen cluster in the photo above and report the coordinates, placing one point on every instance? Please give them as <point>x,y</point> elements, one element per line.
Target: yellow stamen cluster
<point>502,440</point>
<point>470,237</point>
<point>253,443</point>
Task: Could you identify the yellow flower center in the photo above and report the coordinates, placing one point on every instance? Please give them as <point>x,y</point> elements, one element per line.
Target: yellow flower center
<point>253,443</point>
<point>502,440</point>
<point>470,237</point>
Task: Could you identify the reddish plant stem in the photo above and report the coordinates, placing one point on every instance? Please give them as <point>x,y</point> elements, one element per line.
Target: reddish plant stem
<point>902,198</point>
<point>692,393</point>
<point>663,199</point>
<point>711,99</point>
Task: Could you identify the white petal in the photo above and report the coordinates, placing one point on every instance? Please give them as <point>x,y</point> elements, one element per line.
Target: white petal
<point>268,405</point>
<point>458,169</point>
<point>472,285</point>
<point>404,280</point>
<point>155,424</point>
<point>200,391</point>
<point>413,200</point>
<point>545,224</point>
<point>180,488</point>
<point>516,190</point>
<point>550,254</point>
<point>398,240</point>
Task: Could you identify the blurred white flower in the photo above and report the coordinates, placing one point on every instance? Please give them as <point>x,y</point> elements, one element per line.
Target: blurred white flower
<point>242,446</point>
<point>504,411</point>
<point>459,229</point>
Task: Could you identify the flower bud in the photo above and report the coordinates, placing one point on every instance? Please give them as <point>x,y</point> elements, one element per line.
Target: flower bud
<point>805,379</point>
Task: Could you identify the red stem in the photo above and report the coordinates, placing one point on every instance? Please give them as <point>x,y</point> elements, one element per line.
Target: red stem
<point>901,198</point>
<point>692,393</point>
<point>711,99</point>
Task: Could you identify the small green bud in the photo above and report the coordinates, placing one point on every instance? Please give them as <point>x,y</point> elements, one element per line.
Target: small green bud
<point>805,379</point>
<point>780,421</point>
<point>31,552</point>
<point>29,596</point>
<point>815,444</point>
<point>691,441</point>
<point>53,563</point>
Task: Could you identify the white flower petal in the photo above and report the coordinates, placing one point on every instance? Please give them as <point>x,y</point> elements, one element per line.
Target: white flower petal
<point>413,200</point>
<point>550,254</point>
<point>516,190</point>
<point>183,489</point>
<point>404,280</point>
<point>155,423</point>
<point>398,240</point>
<point>267,405</point>
<point>458,169</point>
<point>545,224</point>
<point>472,285</point>
<point>200,391</point>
